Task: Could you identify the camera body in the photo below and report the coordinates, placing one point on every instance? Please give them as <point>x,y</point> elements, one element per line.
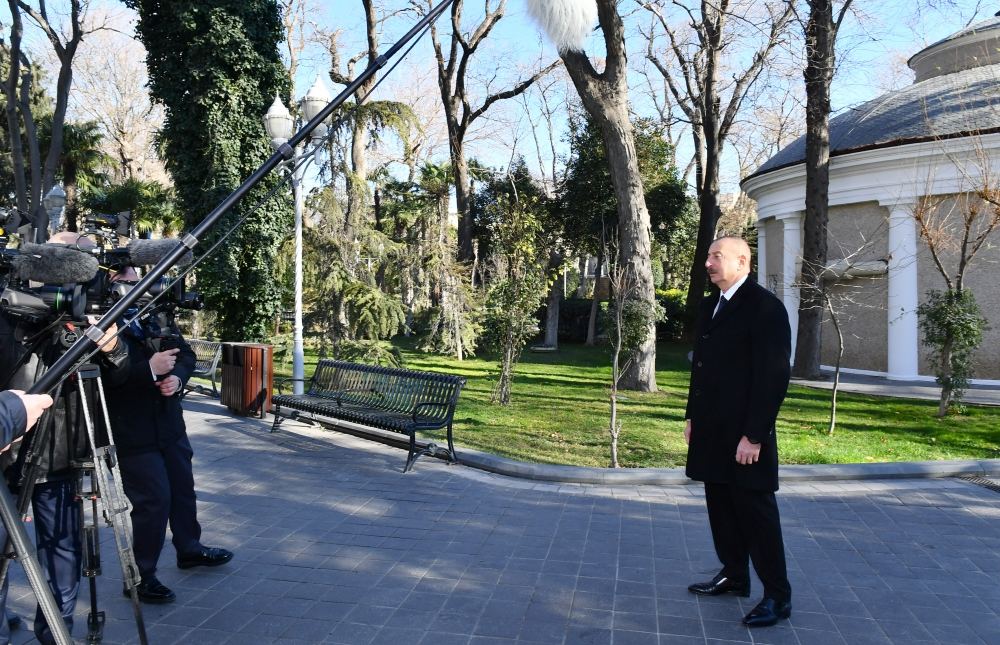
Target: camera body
<point>39,285</point>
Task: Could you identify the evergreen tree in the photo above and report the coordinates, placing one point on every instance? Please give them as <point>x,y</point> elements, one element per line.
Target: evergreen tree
<point>215,67</point>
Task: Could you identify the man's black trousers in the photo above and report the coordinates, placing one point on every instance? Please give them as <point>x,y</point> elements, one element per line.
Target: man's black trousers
<point>746,527</point>
<point>160,485</point>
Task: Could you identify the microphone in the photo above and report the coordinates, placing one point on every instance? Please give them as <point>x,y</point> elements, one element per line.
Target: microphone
<point>53,264</point>
<point>149,252</point>
<point>567,22</point>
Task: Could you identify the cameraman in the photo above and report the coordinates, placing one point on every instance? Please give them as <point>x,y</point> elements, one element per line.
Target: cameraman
<point>57,514</point>
<point>154,453</point>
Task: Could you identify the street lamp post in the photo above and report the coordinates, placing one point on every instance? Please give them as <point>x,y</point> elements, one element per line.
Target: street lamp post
<point>280,126</point>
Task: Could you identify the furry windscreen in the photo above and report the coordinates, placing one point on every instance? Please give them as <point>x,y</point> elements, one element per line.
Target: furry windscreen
<point>567,22</point>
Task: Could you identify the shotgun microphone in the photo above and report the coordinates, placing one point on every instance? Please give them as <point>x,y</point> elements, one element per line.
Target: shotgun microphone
<point>54,264</point>
<point>150,252</point>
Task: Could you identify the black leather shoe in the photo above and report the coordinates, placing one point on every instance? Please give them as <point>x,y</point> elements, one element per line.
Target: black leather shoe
<point>719,585</point>
<point>152,591</point>
<point>206,556</point>
<point>768,612</point>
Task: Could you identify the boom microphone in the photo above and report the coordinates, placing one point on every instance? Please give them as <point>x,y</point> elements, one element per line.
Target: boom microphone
<point>150,252</point>
<point>53,264</point>
<point>567,22</point>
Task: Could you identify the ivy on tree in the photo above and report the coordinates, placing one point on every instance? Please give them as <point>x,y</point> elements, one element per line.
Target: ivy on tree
<point>215,67</point>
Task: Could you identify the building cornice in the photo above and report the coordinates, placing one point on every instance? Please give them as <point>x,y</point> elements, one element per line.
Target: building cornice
<point>893,175</point>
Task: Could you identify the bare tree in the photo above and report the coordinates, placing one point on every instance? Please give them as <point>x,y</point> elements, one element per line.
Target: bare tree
<point>691,70</point>
<point>110,88</point>
<point>821,30</point>
<point>456,96</point>
<point>605,97</point>
<point>344,73</point>
<point>64,45</point>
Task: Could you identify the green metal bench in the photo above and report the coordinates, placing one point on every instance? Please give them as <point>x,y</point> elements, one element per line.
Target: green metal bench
<point>387,398</point>
<point>207,354</point>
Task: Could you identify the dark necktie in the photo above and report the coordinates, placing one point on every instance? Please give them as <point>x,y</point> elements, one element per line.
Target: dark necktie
<point>722,305</point>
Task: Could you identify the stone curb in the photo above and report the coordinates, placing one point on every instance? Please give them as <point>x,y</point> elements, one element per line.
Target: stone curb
<point>676,476</point>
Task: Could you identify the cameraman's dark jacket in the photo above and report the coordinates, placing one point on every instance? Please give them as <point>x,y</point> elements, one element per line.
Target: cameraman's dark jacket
<point>67,437</point>
<point>142,419</point>
<point>13,417</point>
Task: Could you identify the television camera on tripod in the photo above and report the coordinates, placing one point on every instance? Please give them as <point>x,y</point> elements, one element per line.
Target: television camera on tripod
<point>50,294</point>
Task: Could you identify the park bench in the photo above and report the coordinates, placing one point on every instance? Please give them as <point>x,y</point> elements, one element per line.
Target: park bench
<point>386,398</point>
<point>207,354</point>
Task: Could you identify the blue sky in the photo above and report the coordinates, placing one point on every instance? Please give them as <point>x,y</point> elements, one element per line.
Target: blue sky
<point>874,41</point>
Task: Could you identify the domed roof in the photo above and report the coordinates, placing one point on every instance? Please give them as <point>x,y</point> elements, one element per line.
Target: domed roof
<point>957,94</point>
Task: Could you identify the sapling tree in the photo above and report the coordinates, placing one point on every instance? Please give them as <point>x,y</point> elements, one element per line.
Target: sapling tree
<point>519,286</point>
<point>628,318</point>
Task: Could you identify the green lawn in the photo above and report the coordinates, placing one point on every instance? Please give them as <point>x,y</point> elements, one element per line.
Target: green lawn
<point>560,410</point>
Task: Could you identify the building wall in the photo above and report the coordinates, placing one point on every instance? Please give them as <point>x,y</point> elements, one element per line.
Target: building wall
<point>858,231</point>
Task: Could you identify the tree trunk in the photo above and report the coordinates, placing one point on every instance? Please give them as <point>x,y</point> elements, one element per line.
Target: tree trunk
<point>946,388</point>
<point>357,188</point>
<point>836,369</point>
<point>605,97</point>
<point>708,203</point>
<point>595,301</point>
<point>552,304</point>
<point>820,39</point>
<point>463,202</point>
<point>581,288</point>
<point>13,123</point>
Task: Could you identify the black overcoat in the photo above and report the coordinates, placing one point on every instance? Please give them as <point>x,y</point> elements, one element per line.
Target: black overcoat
<point>142,419</point>
<point>739,377</point>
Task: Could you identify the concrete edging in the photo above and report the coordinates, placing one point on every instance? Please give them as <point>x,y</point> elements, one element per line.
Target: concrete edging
<point>676,476</point>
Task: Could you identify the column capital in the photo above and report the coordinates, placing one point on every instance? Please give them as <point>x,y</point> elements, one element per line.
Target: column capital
<point>898,204</point>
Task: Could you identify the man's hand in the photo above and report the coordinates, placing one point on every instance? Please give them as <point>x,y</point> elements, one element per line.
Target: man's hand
<point>34,404</point>
<point>163,362</point>
<point>747,453</point>
<point>109,341</point>
<point>687,431</point>
<point>170,385</point>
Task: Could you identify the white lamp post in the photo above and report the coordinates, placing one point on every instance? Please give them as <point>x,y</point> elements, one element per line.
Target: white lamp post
<point>53,203</point>
<point>280,126</point>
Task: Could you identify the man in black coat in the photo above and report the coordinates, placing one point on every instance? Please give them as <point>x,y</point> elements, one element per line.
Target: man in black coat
<point>154,453</point>
<point>739,376</point>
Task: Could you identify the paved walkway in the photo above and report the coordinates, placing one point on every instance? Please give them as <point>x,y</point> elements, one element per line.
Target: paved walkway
<point>335,545</point>
<point>881,386</point>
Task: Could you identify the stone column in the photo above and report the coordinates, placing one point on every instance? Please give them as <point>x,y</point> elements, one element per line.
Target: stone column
<point>762,253</point>
<point>790,257</point>
<point>904,339</point>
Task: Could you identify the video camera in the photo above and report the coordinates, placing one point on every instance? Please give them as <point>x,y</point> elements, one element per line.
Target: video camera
<point>43,282</point>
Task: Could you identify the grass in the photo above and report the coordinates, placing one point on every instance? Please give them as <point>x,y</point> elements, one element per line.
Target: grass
<point>560,406</point>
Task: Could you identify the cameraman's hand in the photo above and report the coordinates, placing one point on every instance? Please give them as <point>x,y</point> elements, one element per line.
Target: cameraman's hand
<point>109,341</point>
<point>169,386</point>
<point>163,362</point>
<point>34,404</point>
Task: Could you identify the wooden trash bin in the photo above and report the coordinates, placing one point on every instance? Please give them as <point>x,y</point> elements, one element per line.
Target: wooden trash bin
<point>247,378</point>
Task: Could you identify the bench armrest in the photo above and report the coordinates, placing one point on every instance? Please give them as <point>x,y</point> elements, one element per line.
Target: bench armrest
<point>416,408</point>
<point>280,382</point>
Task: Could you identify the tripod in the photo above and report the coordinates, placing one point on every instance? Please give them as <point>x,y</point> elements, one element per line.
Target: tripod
<point>96,476</point>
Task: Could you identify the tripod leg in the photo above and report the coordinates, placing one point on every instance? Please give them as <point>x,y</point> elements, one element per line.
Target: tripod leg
<point>36,579</point>
<point>107,484</point>
<point>91,555</point>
